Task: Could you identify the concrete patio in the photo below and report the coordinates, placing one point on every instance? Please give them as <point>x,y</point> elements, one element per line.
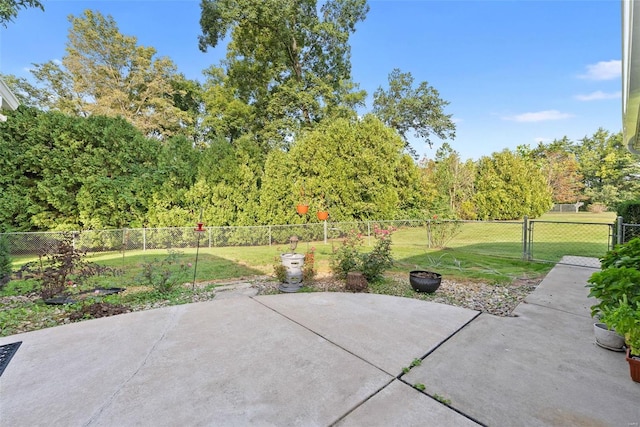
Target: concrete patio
<point>326,359</point>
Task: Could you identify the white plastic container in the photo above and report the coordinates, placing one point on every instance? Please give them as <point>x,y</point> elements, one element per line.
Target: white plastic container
<point>293,263</point>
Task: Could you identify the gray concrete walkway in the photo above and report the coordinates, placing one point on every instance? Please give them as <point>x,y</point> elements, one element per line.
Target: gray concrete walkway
<point>323,359</point>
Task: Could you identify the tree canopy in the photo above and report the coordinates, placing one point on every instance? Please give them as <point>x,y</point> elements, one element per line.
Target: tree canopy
<point>61,172</point>
<point>610,171</point>
<point>9,9</point>
<point>404,108</point>
<point>558,163</point>
<point>287,59</point>
<point>451,183</point>
<point>122,139</point>
<point>356,169</point>
<point>107,73</point>
<point>509,187</point>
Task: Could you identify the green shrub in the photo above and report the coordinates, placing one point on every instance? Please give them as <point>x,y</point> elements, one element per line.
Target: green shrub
<point>309,267</point>
<point>629,211</point>
<point>611,285</point>
<point>5,262</point>
<point>440,232</point>
<point>619,278</point>
<point>624,255</point>
<point>625,319</point>
<point>279,270</point>
<point>165,275</point>
<point>348,256</point>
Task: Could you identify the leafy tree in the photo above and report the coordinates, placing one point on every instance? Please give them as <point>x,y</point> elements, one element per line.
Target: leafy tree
<point>560,167</point>
<point>610,171</point>
<point>105,72</point>
<point>358,168</point>
<point>176,173</point>
<point>452,182</point>
<point>35,174</point>
<point>9,9</point>
<point>411,188</point>
<point>287,59</point>
<point>27,94</point>
<point>509,186</point>
<point>56,89</point>
<point>226,116</point>
<point>404,108</point>
<point>188,97</point>
<point>229,180</point>
<point>223,182</point>
<point>64,172</point>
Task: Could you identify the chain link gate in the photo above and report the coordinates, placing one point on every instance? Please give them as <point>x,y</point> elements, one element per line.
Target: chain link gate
<point>576,243</point>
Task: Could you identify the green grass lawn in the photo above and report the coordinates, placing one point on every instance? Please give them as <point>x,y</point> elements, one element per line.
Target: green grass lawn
<point>604,217</point>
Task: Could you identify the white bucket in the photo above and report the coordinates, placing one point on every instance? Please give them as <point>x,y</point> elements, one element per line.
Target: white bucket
<point>293,263</point>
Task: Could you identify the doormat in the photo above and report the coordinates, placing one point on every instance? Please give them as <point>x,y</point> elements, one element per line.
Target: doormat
<point>6,353</point>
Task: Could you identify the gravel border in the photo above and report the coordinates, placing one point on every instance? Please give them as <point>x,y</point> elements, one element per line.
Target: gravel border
<point>496,299</point>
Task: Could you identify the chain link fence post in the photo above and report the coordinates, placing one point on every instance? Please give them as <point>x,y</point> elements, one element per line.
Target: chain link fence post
<point>619,232</point>
<point>526,255</point>
<point>325,231</point>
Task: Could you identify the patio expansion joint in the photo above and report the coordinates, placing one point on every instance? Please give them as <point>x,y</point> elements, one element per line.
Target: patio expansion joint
<point>170,323</point>
<point>321,336</point>
<point>357,405</point>
<point>362,402</point>
<point>393,378</point>
<point>402,374</point>
<point>553,309</point>
<point>453,334</point>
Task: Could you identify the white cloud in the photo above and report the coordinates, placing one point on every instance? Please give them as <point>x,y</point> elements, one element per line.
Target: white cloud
<point>603,70</point>
<point>597,95</point>
<point>539,116</point>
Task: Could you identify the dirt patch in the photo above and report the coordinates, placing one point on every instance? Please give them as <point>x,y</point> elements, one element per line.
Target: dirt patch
<point>98,309</point>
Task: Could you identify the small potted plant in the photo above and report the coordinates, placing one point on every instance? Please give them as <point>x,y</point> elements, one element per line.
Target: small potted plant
<point>606,335</point>
<point>618,281</point>
<point>625,318</point>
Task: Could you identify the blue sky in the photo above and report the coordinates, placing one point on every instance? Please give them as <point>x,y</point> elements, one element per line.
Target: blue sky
<point>514,72</point>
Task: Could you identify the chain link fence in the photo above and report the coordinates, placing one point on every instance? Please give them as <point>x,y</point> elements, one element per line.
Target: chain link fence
<point>535,240</point>
<point>628,232</point>
<point>550,240</point>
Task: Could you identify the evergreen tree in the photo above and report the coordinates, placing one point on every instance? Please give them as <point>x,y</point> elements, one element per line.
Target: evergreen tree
<point>509,186</point>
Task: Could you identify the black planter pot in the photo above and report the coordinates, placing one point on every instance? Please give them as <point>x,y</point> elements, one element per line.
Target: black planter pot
<point>424,281</point>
